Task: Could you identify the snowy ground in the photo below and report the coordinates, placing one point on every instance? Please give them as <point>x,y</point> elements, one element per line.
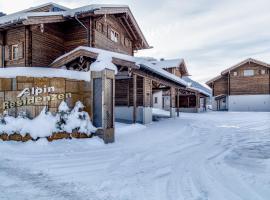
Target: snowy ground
<point>217,156</point>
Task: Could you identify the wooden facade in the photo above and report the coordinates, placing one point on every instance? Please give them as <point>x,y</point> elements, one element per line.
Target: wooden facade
<point>42,39</point>
<point>243,87</point>
<point>235,82</point>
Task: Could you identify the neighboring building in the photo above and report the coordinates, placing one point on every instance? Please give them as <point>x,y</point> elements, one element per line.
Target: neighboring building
<point>242,87</point>
<point>174,66</point>
<point>188,102</point>
<point>39,35</point>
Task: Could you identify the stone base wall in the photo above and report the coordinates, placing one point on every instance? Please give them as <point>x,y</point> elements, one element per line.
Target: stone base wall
<point>54,136</point>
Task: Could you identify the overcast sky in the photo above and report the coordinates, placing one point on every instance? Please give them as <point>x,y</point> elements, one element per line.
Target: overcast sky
<point>210,35</point>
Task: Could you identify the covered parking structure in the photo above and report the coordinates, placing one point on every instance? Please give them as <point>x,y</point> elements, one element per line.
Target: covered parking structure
<point>135,81</point>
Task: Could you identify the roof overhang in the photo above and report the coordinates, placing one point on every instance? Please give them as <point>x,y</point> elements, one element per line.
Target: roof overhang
<point>122,12</point>
<point>78,52</point>
<point>249,60</point>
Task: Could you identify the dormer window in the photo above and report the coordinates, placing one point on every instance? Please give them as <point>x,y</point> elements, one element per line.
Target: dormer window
<point>114,36</point>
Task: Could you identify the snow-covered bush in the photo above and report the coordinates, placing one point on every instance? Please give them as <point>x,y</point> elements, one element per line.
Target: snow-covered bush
<point>79,120</point>
<point>62,116</point>
<point>45,124</point>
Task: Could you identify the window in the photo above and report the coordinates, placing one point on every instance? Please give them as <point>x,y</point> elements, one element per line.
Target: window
<point>156,100</point>
<point>15,52</point>
<point>127,42</point>
<point>114,36</point>
<point>262,71</point>
<point>235,73</point>
<point>99,27</point>
<point>249,72</point>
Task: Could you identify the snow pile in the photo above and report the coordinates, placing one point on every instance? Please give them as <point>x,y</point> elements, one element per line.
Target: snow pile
<point>104,61</point>
<point>13,72</point>
<point>45,124</point>
<point>78,120</point>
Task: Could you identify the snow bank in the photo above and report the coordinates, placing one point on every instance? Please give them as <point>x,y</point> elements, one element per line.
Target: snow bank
<point>13,72</point>
<point>104,61</point>
<point>45,124</point>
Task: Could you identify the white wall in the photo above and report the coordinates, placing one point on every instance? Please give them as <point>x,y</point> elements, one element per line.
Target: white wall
<point>157,95</point>
<point>249,103</point>
<point>125,114</point>
<point>167,102</point>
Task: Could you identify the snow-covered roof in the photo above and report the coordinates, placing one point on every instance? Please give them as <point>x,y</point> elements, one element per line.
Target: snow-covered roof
<point>213,79</point>
<point>197,86</point>
<point>140,62</point>
<point>249,60</point>
<point>150,66</point>
<point>170,63</point>
<point>100,9</point>
<point>13,72</point>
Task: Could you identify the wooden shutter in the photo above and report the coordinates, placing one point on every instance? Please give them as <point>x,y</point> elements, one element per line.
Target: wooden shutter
<point>7,53</point>
<point>21,50</point>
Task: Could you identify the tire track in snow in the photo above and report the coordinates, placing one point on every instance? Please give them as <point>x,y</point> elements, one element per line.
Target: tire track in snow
<point>40,181</point>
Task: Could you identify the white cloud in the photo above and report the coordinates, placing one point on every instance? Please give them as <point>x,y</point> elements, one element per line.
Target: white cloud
<point>211,35</point>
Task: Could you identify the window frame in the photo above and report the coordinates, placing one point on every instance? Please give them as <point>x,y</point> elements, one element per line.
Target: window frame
<point>13,47</point>
<point>114,36</point>
<point>262,72</point>
<point>127,42</point>
<point>100,27</point>
<point>245,74</point>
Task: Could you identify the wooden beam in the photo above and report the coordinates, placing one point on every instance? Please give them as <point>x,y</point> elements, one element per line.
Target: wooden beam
<point>134,98</point>
<point>43,20</point>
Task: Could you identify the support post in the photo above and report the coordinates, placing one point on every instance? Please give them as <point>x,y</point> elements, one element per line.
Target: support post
<point>177,103</point>
<point>102,101</point>
<point>134,98</point>
<point>172,102</point>
<point>197,101</point>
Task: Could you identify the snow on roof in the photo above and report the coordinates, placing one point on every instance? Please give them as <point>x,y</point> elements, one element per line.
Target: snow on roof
<point>41,6</point>
<point>213,79</point>
<point>170,63</point>
<point>13,72</point>
<point>18,17</point>
<point>236,66</point>
<point>141,62</point>
<point>244,62</point>
<point>95,8</point>
<point>25,14</point>
<point>148,65</point>
<point>197,86</point>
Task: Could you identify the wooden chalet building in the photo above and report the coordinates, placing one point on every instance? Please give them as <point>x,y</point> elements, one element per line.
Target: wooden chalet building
<point>242,87</point>
<point>54,36</point>
<point>187,102</point>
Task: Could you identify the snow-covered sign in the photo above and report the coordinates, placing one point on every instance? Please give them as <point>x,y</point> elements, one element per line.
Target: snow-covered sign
<point>36,91</point>
<point>32,100</point>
